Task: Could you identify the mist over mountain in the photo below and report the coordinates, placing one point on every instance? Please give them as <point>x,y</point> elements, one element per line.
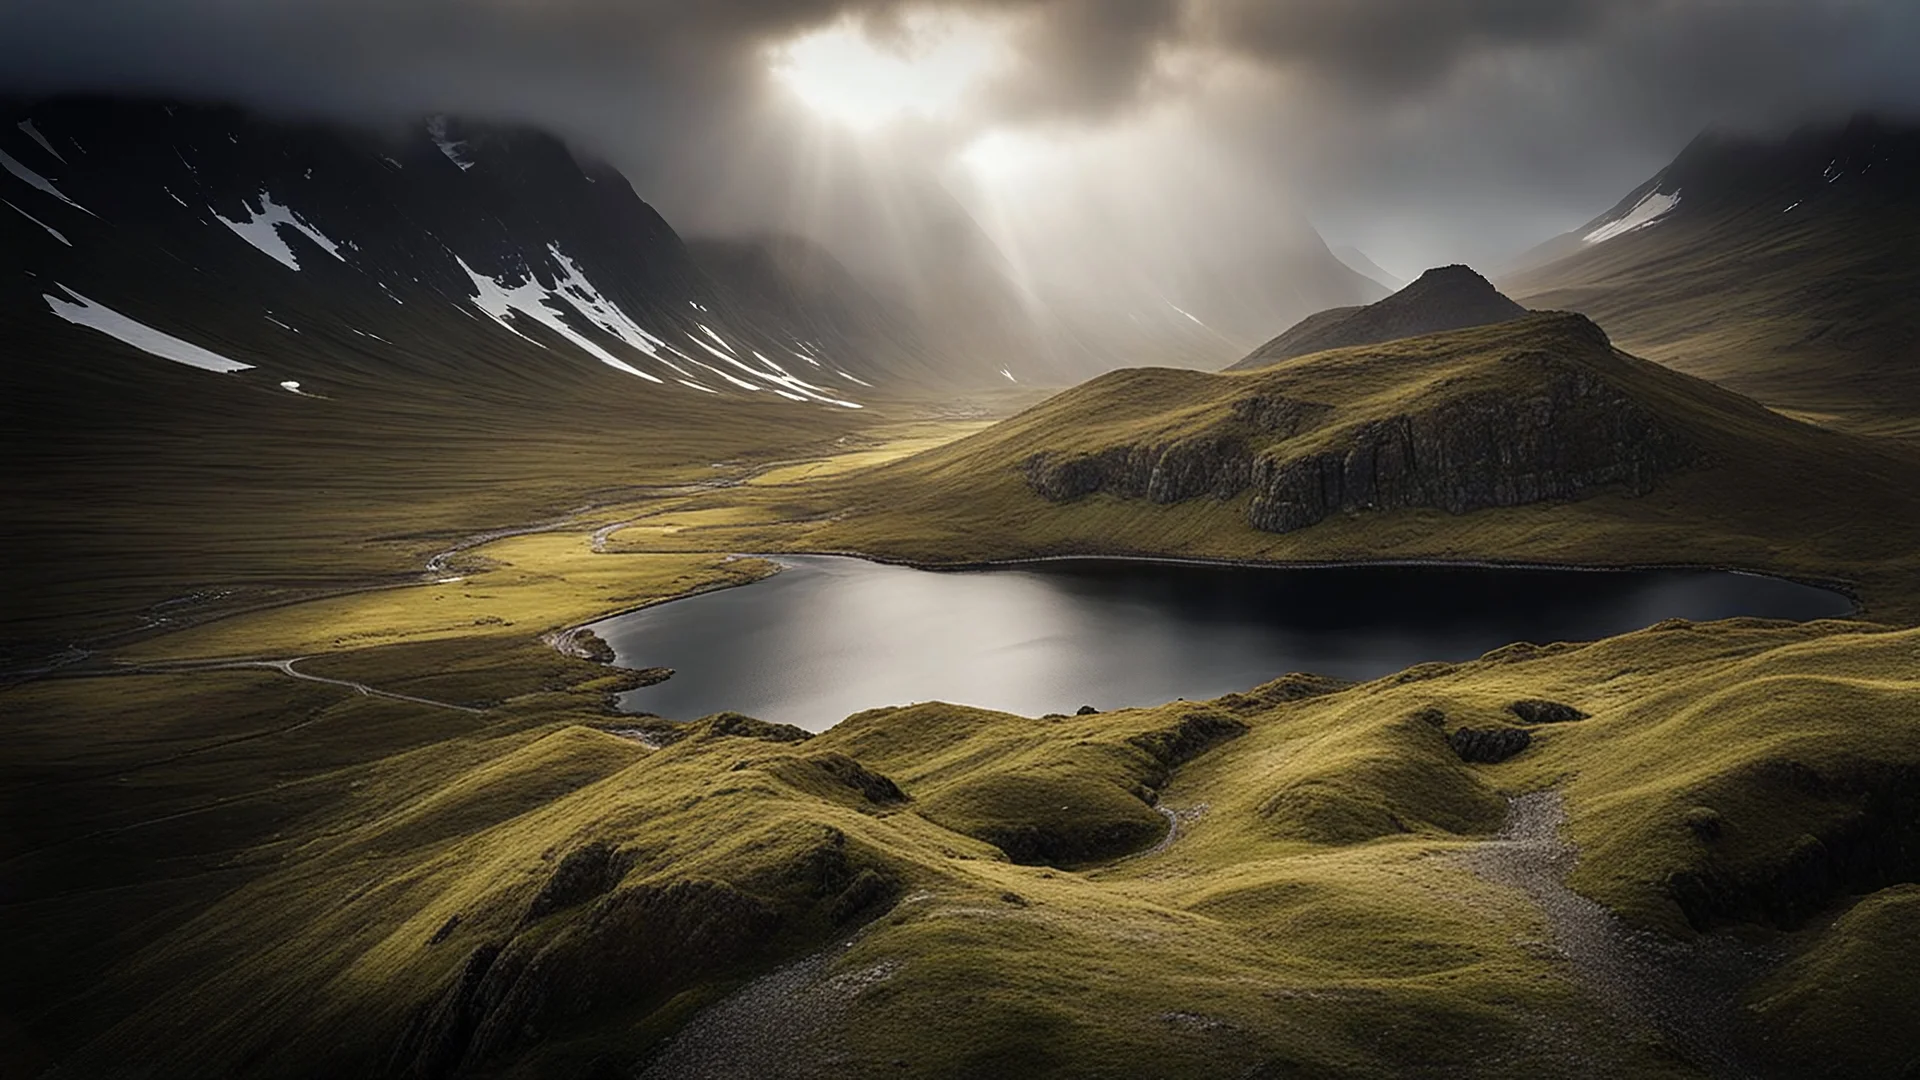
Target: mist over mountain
<point>1781,267</point>
<point>910,539</point>
<point>427,246</point>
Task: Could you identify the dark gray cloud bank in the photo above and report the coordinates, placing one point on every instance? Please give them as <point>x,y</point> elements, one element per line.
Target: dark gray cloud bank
<point>1420,130</point>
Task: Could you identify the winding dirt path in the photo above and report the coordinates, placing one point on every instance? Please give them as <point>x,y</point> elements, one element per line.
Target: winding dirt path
<point>1686,993</point>
<point>284,667</point>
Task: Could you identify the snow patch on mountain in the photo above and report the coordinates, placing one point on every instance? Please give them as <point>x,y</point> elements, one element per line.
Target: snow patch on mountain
<point>84,312</point>
<point>455,149</point>
<point>34,134</point>
<point>531,299</point>
<point>34,179</point>
<point>741,383</point>
<point>729,359</point>
<point>799,386</point>
<point>55,233</point>
<point>263,231</point>
<point>1651,208</point>
<point>586,296</point>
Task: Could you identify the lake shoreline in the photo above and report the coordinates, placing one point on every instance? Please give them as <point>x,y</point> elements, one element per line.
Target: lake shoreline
<point>1843,588</point>
<point>1833,585</point>
<point>1199,627</point>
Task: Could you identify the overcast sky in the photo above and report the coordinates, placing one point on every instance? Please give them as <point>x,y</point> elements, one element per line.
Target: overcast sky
<point>1422,131</point>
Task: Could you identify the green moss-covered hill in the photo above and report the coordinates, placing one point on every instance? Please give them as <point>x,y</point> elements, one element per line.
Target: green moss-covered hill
<point>524,893</point>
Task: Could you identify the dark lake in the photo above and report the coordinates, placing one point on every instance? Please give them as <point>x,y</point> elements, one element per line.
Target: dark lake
<point>831,636</point>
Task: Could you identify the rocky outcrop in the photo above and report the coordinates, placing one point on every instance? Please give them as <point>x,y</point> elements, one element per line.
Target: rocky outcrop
<point>1488,746</point>
<point>585,872</point>
<point>733,725</point>
<point>1220,466</point>
<point>832,774</point>
<point>1288,688</point>
<point>632,949</point>
<point>1867,837</point>
<point>1541,711</point>
<point>1194,734</point>
<point>1574,434</point>
<point>637,946</point>
<point>582,644</point>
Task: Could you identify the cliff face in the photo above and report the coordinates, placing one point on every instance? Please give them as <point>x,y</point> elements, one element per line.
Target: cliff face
<point>1572,433</point>
<point>1220,464</point>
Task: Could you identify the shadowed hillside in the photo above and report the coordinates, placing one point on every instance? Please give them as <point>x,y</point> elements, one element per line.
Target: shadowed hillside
<point>1782,269</point>
<point>1444,298</point>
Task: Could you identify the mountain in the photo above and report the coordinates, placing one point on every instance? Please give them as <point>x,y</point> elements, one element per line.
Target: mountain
<point>1444,298</point>
<point>1532,440</point>
<point>290,252</point>
<point>1781,267</point>
<point>799,287</point>
<point>246,354</point>
<point>1358,261</point>
<point>1161,274</point>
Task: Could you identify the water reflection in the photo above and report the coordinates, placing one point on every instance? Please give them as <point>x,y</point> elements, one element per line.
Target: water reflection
<point>831,636</point>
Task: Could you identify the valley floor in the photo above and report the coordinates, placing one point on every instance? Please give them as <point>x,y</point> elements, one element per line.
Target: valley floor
<point>389,830</point>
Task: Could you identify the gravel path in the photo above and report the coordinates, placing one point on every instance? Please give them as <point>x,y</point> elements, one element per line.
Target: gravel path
<point>778,1027</point>
<point>1687,993</point>
<point>1175,819</point>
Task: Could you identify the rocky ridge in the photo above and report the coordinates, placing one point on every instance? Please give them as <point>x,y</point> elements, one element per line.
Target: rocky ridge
<point>1570,434</point>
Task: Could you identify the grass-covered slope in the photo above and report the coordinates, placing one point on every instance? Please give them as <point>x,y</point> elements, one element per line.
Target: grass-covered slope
<point>1806,313</point>
<point>1530,441</point>
<point>1785,271</point>
<point>524,894</point>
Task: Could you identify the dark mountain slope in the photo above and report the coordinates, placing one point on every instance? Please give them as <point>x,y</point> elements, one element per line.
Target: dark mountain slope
<point>1782,268</point>
<point>441,340</point>
<point>798,287</point>
<point>266,241</point>
<point>1444,298</point>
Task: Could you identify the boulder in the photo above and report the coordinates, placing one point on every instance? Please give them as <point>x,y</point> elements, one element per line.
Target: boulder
<point>1488,746</point>
<point>1541,711</point>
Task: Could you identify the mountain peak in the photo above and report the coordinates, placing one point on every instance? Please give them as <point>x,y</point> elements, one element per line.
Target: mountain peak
<point>1454,273</point>
<point>1444,298</point>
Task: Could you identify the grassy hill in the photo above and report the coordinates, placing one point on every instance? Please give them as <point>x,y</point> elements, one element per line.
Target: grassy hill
<point>387,888</point>
<point>1527,441</point>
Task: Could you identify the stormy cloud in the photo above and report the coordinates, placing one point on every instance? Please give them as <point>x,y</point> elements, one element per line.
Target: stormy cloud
<point>1421,130</point>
